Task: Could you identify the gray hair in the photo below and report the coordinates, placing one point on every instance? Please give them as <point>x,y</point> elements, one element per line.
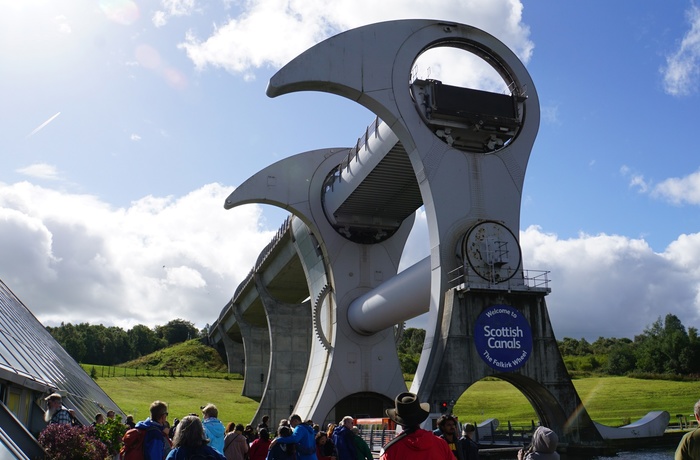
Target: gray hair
<point>189,433</point>
<point>697,408</point>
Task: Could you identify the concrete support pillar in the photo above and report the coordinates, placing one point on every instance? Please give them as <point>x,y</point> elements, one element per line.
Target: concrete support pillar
<point>235,355</point>
<point>290,327</point>
<point>543,380</point>
<point>256,344</point>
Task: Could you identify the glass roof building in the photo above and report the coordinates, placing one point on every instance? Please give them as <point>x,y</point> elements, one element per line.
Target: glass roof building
<point>32,366</point>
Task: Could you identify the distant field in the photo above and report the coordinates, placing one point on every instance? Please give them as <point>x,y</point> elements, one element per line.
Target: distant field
<point>184,395</point>
<point>612,401</point>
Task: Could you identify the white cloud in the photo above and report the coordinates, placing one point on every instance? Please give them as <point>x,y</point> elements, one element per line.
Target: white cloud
<point>159,18</point>
<point>252,39</point>
<point>74,258</point>
<point>675,190</point>
<point>679,190</point>
<point>613,286</point>
<point>172,8</point>
<point>636,180</point>
<point>179,7</point>
<point>683,67</point>
<point>40,171</point>
<point>135,137</point>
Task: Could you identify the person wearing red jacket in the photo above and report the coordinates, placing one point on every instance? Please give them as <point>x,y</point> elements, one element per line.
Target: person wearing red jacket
<point>260,446</point>
<point>413,443</point>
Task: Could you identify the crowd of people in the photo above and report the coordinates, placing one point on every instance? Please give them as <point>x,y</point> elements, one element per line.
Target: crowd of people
<point>295,439</point>
<point>206,437</point>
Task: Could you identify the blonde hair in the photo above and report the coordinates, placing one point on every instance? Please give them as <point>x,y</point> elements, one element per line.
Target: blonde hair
<point>210,410</point>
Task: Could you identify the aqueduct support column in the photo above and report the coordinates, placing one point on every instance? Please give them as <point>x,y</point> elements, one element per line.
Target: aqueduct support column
<point>256,342</point>
<point>290,347</point>
<point>235,355</point>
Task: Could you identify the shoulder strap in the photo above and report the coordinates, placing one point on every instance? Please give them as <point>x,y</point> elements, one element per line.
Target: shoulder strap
<point>398,438</point>
<point>230,441</point>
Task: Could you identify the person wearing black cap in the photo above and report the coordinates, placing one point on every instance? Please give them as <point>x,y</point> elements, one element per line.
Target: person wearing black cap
<point>413,443</point>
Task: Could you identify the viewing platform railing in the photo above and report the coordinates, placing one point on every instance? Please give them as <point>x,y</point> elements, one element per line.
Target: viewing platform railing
<point>465,279</point>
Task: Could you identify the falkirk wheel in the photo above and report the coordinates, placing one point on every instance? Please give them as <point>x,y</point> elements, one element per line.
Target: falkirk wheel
<point>462,154</point>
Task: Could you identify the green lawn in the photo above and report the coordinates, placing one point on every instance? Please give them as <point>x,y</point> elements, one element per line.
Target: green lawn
<point>184,395</point>
<point>611,401</point>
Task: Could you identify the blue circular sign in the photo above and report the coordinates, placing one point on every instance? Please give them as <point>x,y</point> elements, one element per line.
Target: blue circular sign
<point>503,338</point>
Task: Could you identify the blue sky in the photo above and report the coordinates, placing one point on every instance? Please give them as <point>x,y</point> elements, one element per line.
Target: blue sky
<point>125,125</point>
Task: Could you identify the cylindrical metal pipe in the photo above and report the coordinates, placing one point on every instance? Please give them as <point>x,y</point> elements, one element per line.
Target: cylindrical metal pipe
<point>399,299</point>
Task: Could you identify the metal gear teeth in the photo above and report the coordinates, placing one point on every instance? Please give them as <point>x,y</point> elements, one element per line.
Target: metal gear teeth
<point>318,329</point>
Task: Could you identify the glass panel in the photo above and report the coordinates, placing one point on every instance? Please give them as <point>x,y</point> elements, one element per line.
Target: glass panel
<point>13,401</point>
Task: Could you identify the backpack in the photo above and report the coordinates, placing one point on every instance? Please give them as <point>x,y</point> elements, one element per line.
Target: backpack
<point>134,445</point>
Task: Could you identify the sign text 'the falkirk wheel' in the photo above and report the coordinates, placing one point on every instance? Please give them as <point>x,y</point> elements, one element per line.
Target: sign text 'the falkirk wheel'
<point>460,154</point>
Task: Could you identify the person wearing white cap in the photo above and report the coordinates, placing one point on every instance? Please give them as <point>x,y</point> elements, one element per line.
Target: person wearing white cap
<point>413,443</point>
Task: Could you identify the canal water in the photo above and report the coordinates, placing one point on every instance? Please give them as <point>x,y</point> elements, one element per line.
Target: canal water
<point>665,453</point>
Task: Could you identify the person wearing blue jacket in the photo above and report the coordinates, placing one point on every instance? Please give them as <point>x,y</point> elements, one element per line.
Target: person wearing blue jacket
<point>344,439</point>
<point>156,447</point>
<point>303,437</point>
<point>214,430</point>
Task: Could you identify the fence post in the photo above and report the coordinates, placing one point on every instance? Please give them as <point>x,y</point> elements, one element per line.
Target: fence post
<point>510,433</point>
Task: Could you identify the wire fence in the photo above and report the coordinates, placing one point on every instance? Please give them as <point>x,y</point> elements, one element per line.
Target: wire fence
<point>97,371</point>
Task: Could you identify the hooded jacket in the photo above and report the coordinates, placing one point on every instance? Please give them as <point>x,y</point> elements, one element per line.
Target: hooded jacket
<point>419,445</point>
<point>344,440</point>
<point>544,445</point>
<point>154,444</point>
<point>214,430</point>
<point>304,436</point>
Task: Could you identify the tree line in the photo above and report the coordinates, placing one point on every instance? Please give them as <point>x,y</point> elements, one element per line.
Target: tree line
<point>665,347</point>
<point>108,346</point>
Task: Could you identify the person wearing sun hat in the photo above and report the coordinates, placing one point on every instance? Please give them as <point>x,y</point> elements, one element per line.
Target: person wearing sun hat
<point>413,443</point>
<point>56,412</point>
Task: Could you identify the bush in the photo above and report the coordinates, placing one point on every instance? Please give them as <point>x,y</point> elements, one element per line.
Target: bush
<point>111,434</point>
<point>65,442</point>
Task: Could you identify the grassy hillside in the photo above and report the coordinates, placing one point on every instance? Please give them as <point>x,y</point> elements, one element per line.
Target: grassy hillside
<point>190,356</point>
<point>184,395</point>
